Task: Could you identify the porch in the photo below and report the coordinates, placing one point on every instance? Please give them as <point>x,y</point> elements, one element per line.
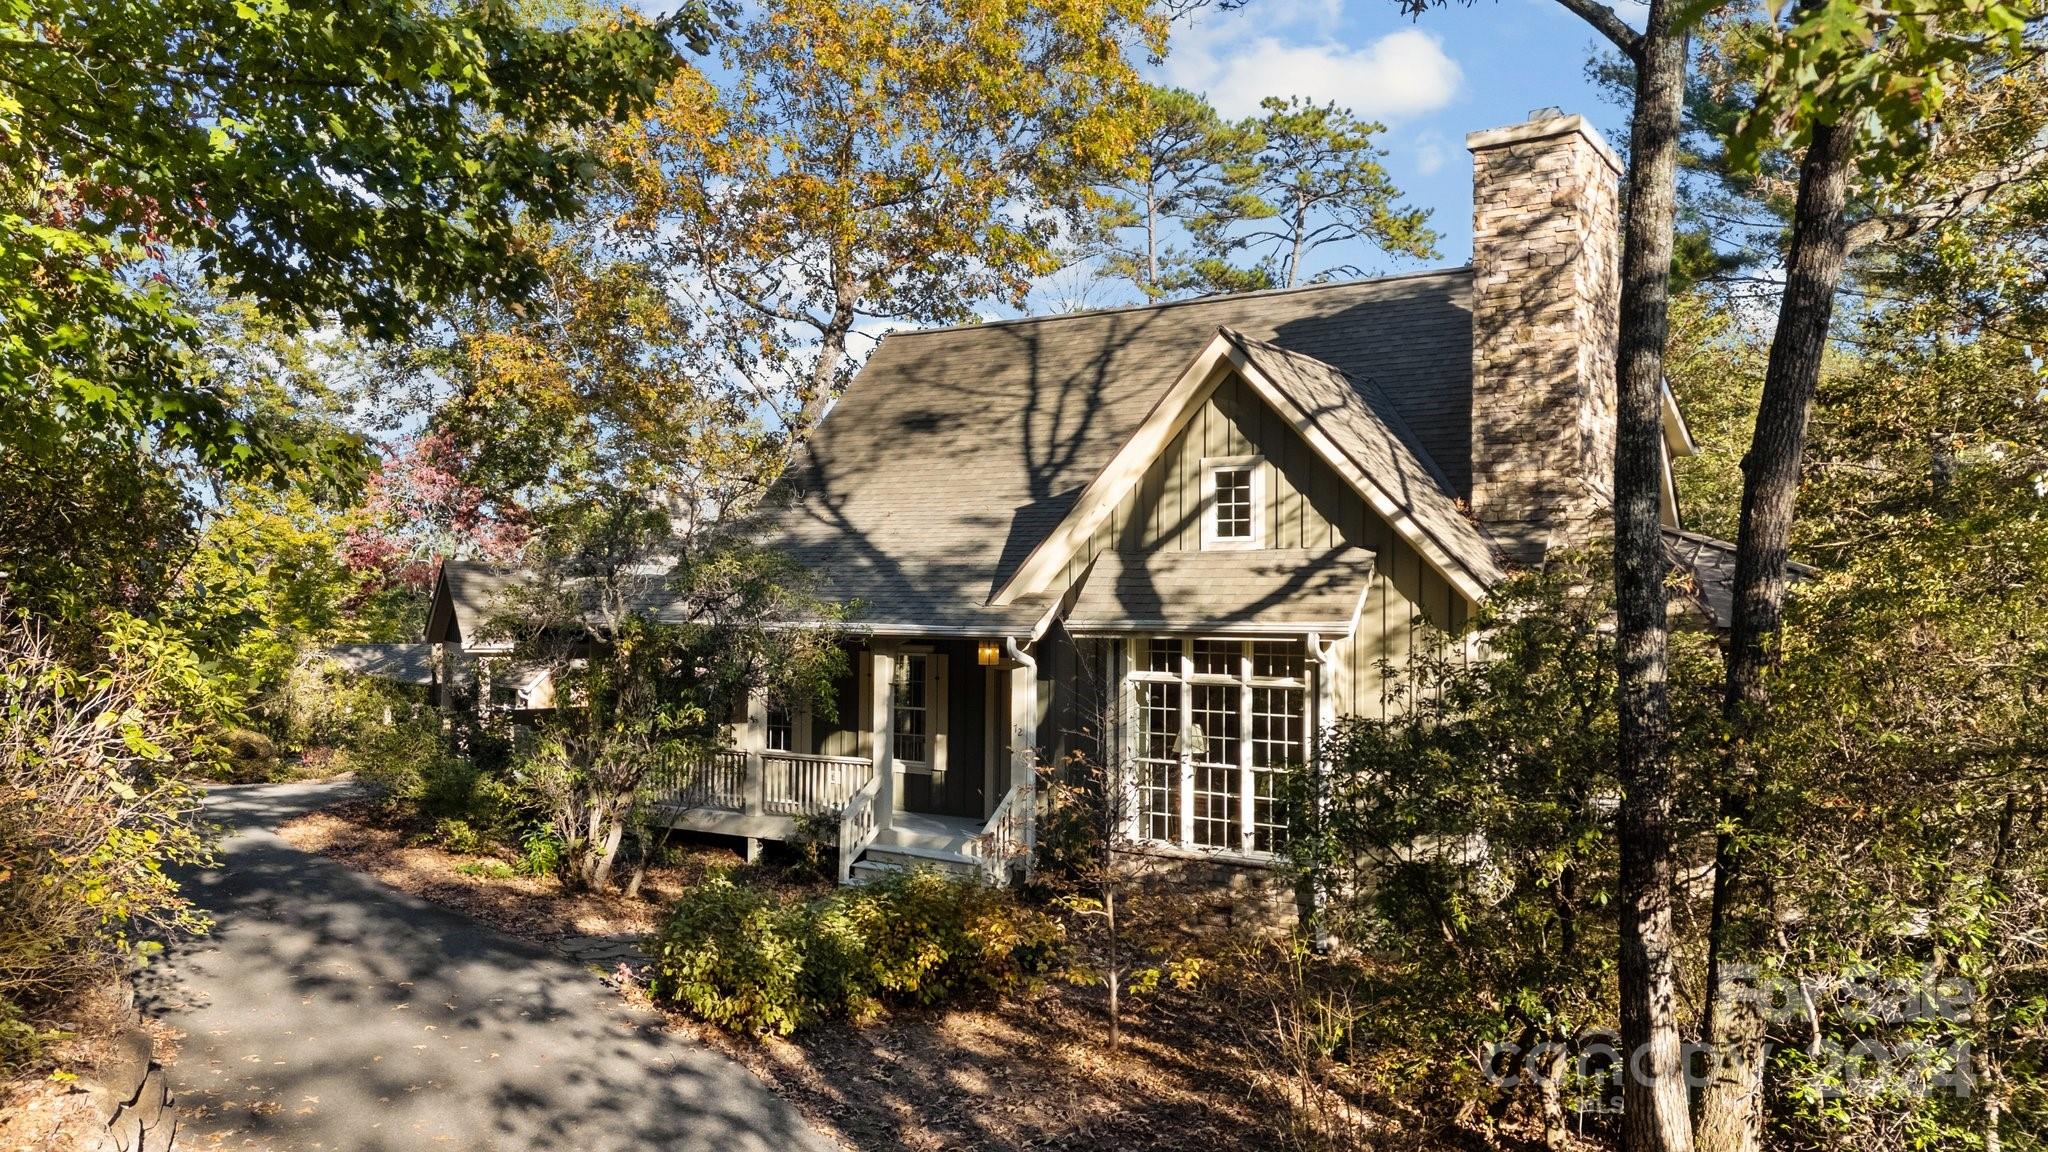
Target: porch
<point>918,763</point>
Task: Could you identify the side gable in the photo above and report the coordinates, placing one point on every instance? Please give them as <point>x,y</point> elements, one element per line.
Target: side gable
<point>465,592</point>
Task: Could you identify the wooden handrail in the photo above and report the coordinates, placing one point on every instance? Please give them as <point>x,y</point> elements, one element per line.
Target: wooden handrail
<point>715,779</point>
<point>798,783</point>
<point>998,842</point>
<point>859,824</point>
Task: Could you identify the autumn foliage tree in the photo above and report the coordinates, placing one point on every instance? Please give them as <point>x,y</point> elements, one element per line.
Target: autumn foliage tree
<point>880,162</point>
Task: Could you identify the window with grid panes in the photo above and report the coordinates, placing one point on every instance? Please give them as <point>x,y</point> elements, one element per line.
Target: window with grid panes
<point>1219,722</point>
<point>1231,511</point>
<point>781,735</point>
<point>910,716</point>
<point>1158,760</point>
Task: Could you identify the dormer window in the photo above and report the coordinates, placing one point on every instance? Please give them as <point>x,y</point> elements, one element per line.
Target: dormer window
<point>1231,490</point>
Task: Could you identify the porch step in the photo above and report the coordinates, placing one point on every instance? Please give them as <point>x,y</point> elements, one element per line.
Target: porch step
<point>879,861</point>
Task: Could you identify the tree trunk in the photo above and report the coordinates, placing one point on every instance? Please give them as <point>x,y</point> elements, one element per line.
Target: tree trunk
<point>1778,448</point>
<point>648,851</point>
<point>639,874</point>
<point>1151,240</point>
<point>1730,1115</point>
<point>1557,1130</point>
<point>601,861</point>
<point>832,336</point>
<point>1655,1115</point>
<point>1115,1008</point>
<point>1300,233</point>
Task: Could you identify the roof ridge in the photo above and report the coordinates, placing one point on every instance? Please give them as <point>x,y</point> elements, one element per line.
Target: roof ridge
<point>1162,305</point>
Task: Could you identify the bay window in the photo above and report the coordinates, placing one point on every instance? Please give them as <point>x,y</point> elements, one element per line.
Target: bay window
<point>1215,724</point>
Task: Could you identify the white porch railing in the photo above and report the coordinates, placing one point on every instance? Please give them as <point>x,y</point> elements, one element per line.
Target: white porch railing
<point>717,780</point>
<point>1001,840</point>
<point>795,784</point>
<point>792,784</point>
<point>859,824</point>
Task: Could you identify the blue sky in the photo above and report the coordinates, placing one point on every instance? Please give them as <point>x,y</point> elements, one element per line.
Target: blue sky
<point>1458,69</point>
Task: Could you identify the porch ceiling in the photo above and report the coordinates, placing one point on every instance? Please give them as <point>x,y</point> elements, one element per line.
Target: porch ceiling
<point>1288,590</point>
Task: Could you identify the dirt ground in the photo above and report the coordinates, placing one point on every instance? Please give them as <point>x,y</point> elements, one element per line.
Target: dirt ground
<point>1028,1071</point>
<point>536,908</point>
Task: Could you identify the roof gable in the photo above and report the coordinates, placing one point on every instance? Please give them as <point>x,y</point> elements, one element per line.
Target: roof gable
<point>466,592</point>
<point>956,451</point>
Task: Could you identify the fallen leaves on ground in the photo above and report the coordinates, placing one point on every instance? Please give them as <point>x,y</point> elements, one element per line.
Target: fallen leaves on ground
<point>1031,1071</point>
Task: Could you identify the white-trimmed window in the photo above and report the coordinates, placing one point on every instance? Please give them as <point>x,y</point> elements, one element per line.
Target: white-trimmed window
<point>788,729</point>
<point>1233,499</point>
<point>1215,724</point>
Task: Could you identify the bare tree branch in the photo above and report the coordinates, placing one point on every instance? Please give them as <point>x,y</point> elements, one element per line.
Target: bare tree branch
<point>1606,22</point>
<point>1892,227</point>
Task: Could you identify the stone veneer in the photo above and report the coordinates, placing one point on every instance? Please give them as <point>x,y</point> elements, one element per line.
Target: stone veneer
<point>1546,251</point>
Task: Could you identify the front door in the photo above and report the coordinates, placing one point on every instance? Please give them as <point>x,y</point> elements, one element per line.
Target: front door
<point>938,766</point>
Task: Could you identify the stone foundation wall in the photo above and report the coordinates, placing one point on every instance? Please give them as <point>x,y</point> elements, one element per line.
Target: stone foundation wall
<point>1219,895</point>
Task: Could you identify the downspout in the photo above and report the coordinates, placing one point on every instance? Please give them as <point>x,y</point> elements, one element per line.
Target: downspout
<point>1025,756</point>
<point>1326,682</point>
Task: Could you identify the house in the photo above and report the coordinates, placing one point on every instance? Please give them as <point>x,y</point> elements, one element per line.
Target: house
<point>1197,530</point>
<point>471,666</point>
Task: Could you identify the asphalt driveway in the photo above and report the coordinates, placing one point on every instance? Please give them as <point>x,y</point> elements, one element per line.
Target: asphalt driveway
<point>326,1011</point>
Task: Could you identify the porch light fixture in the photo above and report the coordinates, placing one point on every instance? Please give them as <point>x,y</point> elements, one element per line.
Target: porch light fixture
<point>988,654</point>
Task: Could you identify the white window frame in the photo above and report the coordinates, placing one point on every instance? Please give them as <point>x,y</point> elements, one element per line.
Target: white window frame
<point>1245,681</point>
<point>1256,466</point>
<point>799,728</point>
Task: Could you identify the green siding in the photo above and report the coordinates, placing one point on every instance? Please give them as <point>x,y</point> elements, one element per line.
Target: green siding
<point>1307,505</point>
<point>959,791</point>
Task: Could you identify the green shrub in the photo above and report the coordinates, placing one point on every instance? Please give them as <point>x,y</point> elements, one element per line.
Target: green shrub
<point>815,844</point>
<point>468,808</point>
<point>542,853</point>
<point>397,759</point>
<point>734,956</point>
<point>22,1042</point>
<point>448,787</point>
<point>744,959</point>
<point>320,704</point>
<point>94,824</point>
<point>458,835</point>
<point>488,869</point>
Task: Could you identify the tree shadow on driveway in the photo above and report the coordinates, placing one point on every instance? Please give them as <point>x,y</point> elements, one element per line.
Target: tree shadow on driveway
<point>328,1011</point>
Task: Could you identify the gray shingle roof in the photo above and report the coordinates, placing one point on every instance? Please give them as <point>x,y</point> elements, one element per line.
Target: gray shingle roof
<point>1267,590</point>
<point>1706,567</point>
<point>399,663</point>
<point>475,591</point>
<point>955,451</point>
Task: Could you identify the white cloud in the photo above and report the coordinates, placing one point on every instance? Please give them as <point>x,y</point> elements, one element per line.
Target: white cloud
<point>1430,153</point>
<point>1399,75</point>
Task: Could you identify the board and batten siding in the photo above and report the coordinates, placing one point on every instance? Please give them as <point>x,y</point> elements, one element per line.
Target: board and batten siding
<point>1307,505</point>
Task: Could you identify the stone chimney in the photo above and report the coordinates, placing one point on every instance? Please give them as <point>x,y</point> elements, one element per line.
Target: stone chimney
<point>1546,257</point>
